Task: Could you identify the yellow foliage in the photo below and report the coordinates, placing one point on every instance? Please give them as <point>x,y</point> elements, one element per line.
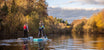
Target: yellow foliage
<point>96,22</point>
<point>67,26</point>
<point>21,2</point>
<point>47,21</point>
<point>99,20</point>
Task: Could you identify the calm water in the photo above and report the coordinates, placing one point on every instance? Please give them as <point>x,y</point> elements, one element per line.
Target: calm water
<point>57,42</point>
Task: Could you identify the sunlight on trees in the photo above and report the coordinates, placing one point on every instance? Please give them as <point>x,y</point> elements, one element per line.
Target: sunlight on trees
<point>95,24</point>
<point>15,13</point>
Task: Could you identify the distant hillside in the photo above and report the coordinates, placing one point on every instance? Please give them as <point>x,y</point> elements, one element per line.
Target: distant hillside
<point>71,14</point>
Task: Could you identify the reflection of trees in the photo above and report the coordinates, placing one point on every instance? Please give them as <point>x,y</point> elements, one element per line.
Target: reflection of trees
<point>100,45</point>
<point>89,41</point>
<point>87,38</point>
<point>93,41</point>
<point>77,36</point>
<point>59,40</point>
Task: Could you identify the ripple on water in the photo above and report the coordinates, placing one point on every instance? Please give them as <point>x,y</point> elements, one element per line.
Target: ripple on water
<point>5,44</point>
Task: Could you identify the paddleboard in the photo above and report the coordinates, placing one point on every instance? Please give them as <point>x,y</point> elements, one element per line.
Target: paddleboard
<point>34,39</point>
<point>40,39</point>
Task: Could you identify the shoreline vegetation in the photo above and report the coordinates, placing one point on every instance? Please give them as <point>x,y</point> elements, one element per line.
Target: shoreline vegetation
<point>14,13</point>
<point>95,24</point>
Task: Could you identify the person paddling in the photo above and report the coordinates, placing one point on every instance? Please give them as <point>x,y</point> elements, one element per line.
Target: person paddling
<point>41,29</point>
<point>26,30</point>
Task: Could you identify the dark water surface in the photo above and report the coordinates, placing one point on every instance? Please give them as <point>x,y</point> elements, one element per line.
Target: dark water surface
<point>57,42</point>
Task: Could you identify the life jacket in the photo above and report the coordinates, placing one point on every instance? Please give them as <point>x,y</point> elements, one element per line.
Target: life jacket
<point>25,27</point>
<point>42,26</point>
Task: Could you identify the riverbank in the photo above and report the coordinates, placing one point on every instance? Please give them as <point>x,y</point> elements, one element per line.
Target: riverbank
<point>94,24</point>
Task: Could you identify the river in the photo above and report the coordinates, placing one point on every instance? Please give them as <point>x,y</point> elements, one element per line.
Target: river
<point>58,42</point>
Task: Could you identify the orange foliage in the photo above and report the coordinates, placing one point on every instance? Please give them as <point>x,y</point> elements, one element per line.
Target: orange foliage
<point>96,22</point>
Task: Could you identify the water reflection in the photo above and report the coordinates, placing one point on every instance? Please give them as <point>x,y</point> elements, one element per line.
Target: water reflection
<point>25,45</point>
<point>59,42</point>
<point>78,42</point>
<point>15,44</point>
<point>41,46</point>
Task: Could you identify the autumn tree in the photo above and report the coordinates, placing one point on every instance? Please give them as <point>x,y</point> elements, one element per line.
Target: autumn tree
<point>13,7</point>
<point>95,23</point>
<point>4,10</point>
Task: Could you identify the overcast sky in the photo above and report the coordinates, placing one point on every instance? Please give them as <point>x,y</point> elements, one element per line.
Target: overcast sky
<point>74,9</point>
<point>92,4</point>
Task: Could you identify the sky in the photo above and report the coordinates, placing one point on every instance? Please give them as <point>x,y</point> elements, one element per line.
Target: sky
<point>74,9</point>
<point>81,4</point>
